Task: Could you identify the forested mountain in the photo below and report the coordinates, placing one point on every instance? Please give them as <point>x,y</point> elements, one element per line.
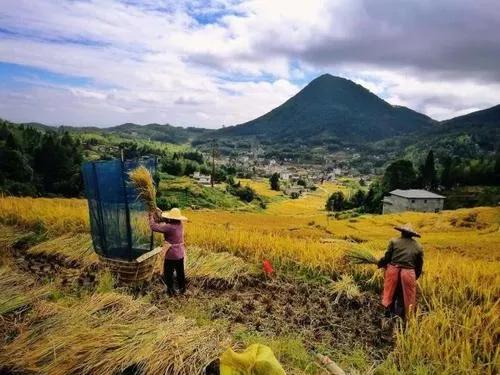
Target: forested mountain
<point>158,132</point>
<point>332,108</point>
<point>487,117</point>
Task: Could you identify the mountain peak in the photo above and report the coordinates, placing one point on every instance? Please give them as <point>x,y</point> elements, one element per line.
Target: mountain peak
<point>332,107</point>
<point>328,78</point>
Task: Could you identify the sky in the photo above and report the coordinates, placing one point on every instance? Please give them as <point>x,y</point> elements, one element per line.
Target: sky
<point>216,63</point>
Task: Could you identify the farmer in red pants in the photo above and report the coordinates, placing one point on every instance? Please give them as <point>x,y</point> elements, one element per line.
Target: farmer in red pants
<point>403,263</point>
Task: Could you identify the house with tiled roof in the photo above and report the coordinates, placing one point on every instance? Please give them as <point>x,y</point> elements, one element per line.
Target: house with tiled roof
<point>412,200</point>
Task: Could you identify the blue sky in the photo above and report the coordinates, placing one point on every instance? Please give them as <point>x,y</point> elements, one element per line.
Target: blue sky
<point>16,76</point>
<point>224,62</point>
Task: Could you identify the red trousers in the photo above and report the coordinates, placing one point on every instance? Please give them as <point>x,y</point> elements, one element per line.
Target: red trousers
<point>393,275</point>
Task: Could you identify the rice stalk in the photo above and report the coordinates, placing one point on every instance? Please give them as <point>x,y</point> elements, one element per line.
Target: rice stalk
<point>218,269</point>
<point>75,247</point>
<point>17,291</point>
<point>142,180</point>
<point>108,333</point>
<point>345,286</point>
<point>361,256</point>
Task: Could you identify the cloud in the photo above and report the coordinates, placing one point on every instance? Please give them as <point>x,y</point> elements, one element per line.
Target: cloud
<point>223,62</point>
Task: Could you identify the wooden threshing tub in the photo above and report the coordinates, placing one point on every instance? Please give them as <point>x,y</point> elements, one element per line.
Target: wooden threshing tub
<point>135,271</point>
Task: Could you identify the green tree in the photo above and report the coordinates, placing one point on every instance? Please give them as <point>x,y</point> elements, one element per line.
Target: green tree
<point>447,178</point>
<point>496,169</point>
<point>302,182</point>
<point>57,164</point>
<point>335,202</point>
<point>274,181</point>
<point>357,199</point>
<point>399,175</point>
<point>14,166</point>
<point>428,175</point>
<point>190,167</point>
<point>173,167</point>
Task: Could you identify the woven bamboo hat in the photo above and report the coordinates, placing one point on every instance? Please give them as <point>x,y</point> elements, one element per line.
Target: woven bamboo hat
<point>407,228</point>
<point>174,214</point>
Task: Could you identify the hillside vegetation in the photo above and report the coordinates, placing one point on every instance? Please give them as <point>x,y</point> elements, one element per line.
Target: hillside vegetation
<point>332,108</point>
<point>453,331</point>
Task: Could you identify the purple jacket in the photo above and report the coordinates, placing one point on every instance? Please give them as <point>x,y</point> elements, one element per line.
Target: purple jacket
<point>174,236</point>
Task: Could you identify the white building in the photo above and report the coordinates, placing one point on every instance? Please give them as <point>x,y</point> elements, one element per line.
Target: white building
<point>202,179</point>
<point>412,200</point>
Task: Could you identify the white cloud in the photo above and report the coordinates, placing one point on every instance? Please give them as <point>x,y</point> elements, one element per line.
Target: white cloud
<point>155,61</point>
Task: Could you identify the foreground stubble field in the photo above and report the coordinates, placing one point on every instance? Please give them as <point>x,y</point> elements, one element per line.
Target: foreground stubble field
<point>456,329</point>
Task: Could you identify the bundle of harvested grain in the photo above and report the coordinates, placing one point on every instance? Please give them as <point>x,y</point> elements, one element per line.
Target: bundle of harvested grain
<point>143,181</point>
<point>346,286</point>
<point>361,256</point>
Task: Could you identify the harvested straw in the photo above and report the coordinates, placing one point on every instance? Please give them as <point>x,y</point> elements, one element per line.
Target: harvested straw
<point>72,247</point>
<point>17,291</point>
<point>107,334</point>
<point>143,182</point>
<point>346,286</point>
<point>361,256</point>
<point>218,269</point>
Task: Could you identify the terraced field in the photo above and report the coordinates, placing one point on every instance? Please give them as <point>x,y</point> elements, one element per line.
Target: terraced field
<point>61,312</point>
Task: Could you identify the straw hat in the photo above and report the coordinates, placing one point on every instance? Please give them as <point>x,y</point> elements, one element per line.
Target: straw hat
<point>408,229</point>
<point>174,214</point>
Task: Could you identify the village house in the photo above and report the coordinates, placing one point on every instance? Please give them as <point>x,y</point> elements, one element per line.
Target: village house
<point>412,200</point>
<point>202,179</point>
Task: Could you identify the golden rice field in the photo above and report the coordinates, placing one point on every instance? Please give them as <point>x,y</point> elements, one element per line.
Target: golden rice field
<point>455,331</point>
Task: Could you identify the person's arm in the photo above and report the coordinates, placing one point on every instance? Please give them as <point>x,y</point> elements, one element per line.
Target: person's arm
<point>386,259</point>
<point>156,226</point>
<point>419,264</point>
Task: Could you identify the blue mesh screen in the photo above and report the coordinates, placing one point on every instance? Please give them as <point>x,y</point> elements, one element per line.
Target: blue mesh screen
<point>118,220</point>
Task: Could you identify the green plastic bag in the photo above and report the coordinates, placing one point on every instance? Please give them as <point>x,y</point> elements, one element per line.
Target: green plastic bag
<point>257,359</point>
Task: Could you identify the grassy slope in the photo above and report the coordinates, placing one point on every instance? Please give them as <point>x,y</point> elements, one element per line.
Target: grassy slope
<point>459,289</point>
<point>184,192</point>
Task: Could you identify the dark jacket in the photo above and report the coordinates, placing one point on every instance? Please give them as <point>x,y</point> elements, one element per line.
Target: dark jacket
<point>404,252</point>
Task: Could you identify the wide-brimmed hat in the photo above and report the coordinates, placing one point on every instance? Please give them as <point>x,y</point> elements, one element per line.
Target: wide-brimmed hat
<point>174,214</point>
<point>407,228</point>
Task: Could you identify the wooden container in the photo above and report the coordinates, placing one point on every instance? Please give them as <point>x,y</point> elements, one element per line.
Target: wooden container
<point>135,271</point>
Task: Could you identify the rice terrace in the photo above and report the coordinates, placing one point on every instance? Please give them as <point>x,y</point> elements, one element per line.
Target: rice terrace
<point>247,187</point>
<point>62,313</point>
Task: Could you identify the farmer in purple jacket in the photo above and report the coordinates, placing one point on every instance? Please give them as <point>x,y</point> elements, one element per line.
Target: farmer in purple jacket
<point>170,223</point>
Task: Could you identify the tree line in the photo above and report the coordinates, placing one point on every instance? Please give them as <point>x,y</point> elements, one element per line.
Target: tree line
<point>39,163</point>
<point>401,174</point>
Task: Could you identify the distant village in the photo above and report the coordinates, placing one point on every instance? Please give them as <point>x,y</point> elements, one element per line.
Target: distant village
<point>296,179</point>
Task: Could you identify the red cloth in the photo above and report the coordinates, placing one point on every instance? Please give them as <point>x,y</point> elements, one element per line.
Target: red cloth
<point>268,268</point>
<point>393,274</point>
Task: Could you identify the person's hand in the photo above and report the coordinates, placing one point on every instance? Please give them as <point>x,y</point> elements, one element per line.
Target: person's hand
<point>157,213</point>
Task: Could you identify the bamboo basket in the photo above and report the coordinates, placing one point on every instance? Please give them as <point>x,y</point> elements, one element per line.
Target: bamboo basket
<point>135,271</point>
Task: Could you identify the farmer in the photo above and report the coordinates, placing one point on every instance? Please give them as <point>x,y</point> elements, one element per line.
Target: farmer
<point>170,223</point>
<point>403,262</point>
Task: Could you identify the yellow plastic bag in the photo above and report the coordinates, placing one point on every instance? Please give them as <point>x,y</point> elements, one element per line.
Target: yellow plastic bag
<point>257,359</point>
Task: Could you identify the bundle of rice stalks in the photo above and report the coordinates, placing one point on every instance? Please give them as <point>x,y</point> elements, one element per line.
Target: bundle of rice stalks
<point>143,182</point>
<point>361,256</point>
<point>111,333</point>
<point>218,269</point>
<point>346,286</point>
<point>72,247</point>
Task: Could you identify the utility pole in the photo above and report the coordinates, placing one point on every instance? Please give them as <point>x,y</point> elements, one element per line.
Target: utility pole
<point>213,164</point>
